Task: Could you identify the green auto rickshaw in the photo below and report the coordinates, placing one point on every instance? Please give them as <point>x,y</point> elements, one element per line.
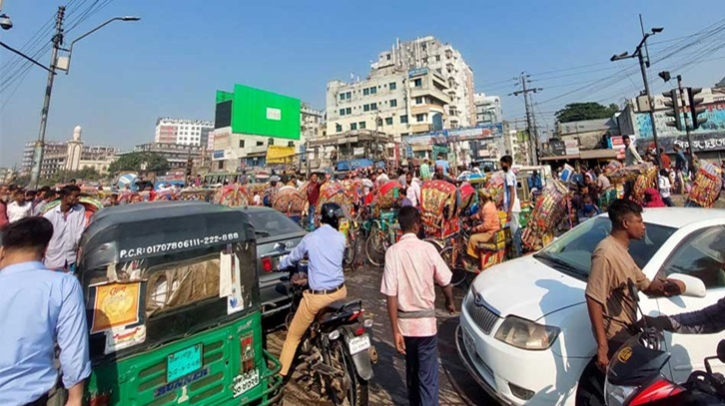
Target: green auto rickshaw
<point>173,307</point>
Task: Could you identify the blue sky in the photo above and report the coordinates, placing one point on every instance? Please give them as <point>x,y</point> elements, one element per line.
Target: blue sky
<point>172,61</point>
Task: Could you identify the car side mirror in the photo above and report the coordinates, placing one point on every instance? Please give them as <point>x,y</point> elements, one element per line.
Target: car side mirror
<point>694,287</point>
<point>721,351</point>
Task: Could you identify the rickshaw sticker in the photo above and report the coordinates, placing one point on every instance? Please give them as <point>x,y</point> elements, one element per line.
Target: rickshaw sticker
<point>120,338</point>
<point>235,301</point>
<point>181,383</point>
<point>116,304</point>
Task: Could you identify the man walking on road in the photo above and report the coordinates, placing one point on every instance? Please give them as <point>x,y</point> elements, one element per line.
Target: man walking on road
<point>412,268</point>
<point>39,309</point>
<point>68,220</point>
<point>612,309</point>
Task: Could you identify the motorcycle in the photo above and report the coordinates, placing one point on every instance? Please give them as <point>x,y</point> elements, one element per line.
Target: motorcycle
<point>336,351</point>
<point>635,378</point>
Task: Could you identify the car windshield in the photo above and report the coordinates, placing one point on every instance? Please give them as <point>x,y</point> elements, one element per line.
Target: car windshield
<point>572,253</point>
<point>272,223</point>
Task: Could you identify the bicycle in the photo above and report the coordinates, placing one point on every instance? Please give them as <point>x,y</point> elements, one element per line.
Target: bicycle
<point>382,235</point>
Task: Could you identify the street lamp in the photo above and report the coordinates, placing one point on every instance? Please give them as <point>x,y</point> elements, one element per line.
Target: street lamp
<point>64,62</point>
<point>644,64</point>
<point>57,63</point>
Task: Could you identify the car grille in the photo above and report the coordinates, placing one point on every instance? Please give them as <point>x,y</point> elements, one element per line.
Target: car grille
<point>484,318</point>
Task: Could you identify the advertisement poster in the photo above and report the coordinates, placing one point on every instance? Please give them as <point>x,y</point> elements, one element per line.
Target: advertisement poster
<point>115,305</point>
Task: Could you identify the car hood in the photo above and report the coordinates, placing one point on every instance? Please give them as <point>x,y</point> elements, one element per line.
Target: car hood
<point>528,288</point>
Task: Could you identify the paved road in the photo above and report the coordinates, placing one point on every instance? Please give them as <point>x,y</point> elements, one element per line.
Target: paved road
<point>388,386</point>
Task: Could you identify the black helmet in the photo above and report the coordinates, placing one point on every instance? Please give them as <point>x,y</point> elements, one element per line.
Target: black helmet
<point>330,213</point>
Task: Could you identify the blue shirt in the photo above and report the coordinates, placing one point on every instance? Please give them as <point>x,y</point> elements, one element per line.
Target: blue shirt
<point>38,308</point>
<point>443,164</point>
<point>325,248</point>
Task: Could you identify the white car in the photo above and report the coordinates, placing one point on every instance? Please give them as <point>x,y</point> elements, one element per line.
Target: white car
<point>524,331</point>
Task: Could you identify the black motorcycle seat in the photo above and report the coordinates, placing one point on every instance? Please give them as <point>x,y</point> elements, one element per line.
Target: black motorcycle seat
<point>335,309</point>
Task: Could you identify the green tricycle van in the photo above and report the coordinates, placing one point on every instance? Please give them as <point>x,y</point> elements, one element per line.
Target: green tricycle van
<point>173,308</point>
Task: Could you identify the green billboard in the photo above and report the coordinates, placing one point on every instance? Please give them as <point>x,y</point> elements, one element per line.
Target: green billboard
<point>258,112</point>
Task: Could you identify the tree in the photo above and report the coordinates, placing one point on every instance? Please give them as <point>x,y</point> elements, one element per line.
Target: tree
<point>140,162</point>
<point>585,111</point>
<point>63,176</point>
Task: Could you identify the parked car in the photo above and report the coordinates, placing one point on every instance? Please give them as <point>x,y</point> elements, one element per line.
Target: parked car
<point>524,330</point>
<point>277,236</point>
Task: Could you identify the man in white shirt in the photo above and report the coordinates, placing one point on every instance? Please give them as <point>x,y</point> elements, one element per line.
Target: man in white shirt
<point>665,186</point>
<point>511,203</point>
<point>413,193</point>
<point>69,221</point>
<point>19,209</point>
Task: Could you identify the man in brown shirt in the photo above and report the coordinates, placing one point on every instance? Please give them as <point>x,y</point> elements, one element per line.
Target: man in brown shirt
<point>612,309</point>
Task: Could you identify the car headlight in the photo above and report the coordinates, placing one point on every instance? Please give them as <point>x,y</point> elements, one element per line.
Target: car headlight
<point>526,334</point>
<point>617,395</point>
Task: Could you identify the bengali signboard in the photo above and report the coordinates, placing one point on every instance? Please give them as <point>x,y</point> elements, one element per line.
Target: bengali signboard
<point>481,132</point>
<point>700,142</point>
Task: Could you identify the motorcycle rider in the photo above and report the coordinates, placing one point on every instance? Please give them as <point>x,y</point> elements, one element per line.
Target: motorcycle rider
<point>325,248</point>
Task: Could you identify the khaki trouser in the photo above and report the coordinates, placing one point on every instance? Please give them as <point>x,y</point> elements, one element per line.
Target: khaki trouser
<point>309,306</point>
<point>476,239</point>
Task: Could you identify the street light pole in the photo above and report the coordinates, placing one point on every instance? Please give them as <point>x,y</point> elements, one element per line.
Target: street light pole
<point>57,42</point>
<point>38,154</point>
<point>643,65</point>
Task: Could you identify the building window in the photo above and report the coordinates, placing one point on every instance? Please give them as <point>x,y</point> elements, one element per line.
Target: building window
<point>291,144</point>
<point>419,100</point>
<point>348,111</point>
<point>270,141</point>
<point>342,96</point>
<point>366,107</point>
<point>338,128</point>
<point>342,112</point>
<point>221,165</point>
<point>392,85</point>
<point>366,92</point>
<point>418,82</point>
<point>394,103</point>
<point>420,117</point>
<point>388,121</point>
<point>353,126</point>
<point>438,58</point>
<point>241,143</point>
<point>373,90</point>
<point>404,119</point>
<point>260,143</point>
<point>362,125</point>
<point>373,106</point>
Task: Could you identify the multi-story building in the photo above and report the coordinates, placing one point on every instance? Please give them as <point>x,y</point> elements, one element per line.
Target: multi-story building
<point>249,121</point>
<point>71,155</point>
<point>183,131</point>
<point>417,87</point>
<point>446,61</point>
<point>394,102</point>
<point>488,109</point>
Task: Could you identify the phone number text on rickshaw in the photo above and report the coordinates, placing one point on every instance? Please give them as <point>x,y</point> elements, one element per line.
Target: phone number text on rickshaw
<point>178,245</point>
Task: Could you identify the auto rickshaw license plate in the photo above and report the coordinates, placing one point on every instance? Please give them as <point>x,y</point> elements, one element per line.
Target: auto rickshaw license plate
<point>183,362</point>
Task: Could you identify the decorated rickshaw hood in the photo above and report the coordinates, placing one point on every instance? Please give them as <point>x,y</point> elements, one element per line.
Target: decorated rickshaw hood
<point>143,230</point>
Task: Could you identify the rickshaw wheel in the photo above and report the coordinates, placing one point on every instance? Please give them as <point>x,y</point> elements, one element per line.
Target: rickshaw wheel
<point>375,246</point>
<point>459,274</point>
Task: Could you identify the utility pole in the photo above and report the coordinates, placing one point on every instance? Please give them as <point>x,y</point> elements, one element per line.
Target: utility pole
<point>40,144</point>
<point>530,120</point>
